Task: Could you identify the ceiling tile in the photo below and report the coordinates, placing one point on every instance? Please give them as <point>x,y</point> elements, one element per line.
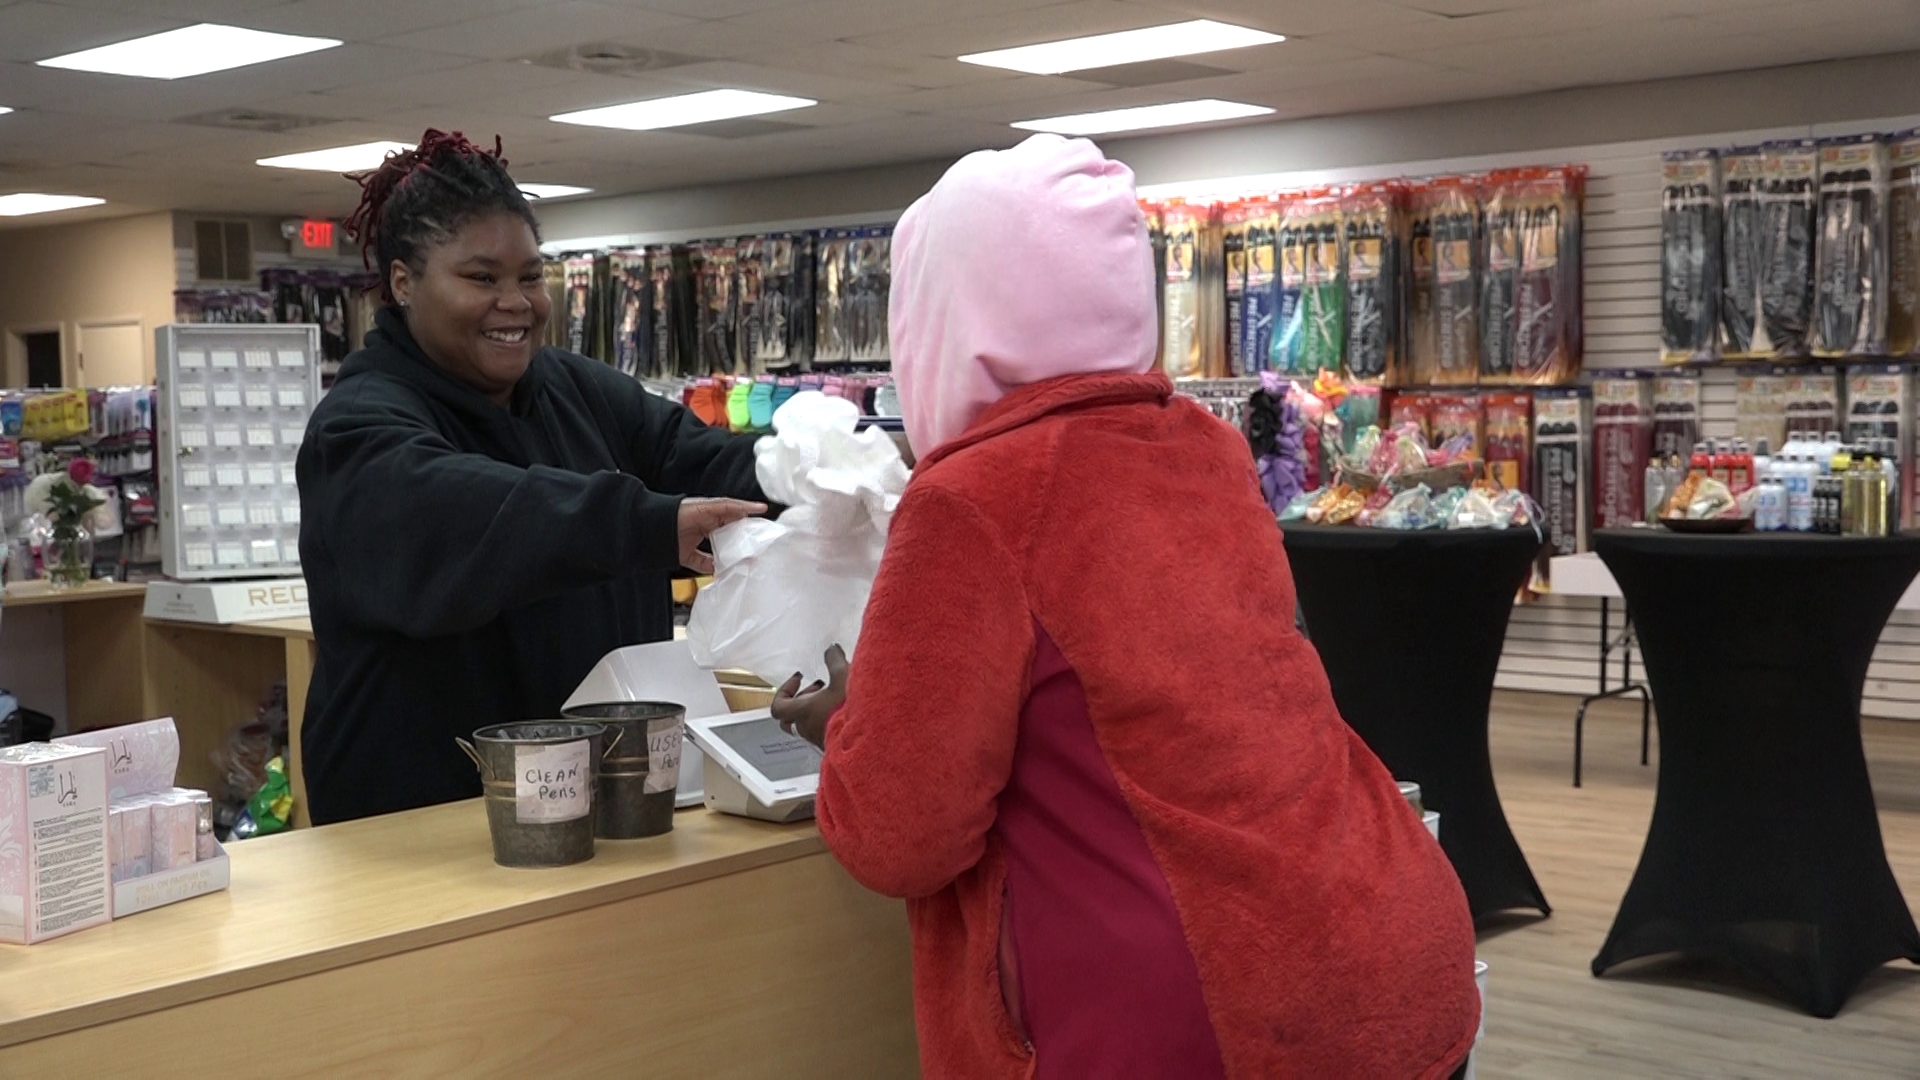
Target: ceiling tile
<point>721,73</point>
<point>30,32</point>
<point>1302,18</point>
<point>885,65</point>
<point>1020,88</point>
<point>195,10</point>
<point>954,34</point>
<point>527,31</point>
<point>369,20</point>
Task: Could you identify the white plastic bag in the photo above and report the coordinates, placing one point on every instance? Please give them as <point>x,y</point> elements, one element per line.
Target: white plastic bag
<point>785,591</point>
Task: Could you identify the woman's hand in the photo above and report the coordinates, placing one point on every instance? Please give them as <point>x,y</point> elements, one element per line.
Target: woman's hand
<point>699,518</point>
<point>805,712</point>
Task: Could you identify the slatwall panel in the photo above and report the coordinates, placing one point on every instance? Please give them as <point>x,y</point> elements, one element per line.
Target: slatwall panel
<point>1553,644</point>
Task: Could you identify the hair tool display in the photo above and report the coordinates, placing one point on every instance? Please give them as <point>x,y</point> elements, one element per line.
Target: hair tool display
<point>1690,254</point>
<point>1850,298</point>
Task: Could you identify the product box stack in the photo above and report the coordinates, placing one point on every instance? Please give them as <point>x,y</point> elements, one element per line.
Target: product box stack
<point>55,873</point>
<point>159,838</point>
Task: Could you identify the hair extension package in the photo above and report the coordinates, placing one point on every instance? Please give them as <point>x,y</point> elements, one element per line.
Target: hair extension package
<point>1314,337</point>
<point>555,272</point>
<point>1676,414</point>
<point>1560,449</point>
<point>1157,241</point>
<point>1903,246</point>
<point>1622,445</point>
<point>579,310</point>
<point>1545,315</point>
<point>1374,223</point>
<point>869,278</point>
<point>1445,340</point>
<point>632,313</point>
<point>832,340</point>
<point>1509,419</point>
<point>1760,407</point>
<point>1293,236</point>
<point>1233,254</point>
<point>1789,210</point>
<point>1260,305</point>
<point>1743,250</point>
<point>1180,348</point>
<point>1690,252</point>
<point>1850,257</point>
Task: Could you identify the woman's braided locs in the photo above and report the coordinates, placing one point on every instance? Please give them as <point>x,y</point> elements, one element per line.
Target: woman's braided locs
<point>421,196</point>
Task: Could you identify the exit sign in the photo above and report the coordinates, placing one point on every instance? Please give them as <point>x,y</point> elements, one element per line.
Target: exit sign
<point>314,240</point>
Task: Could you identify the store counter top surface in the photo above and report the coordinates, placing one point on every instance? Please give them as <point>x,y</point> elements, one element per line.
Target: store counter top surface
<point>310,900</point>
<point>30,593</point>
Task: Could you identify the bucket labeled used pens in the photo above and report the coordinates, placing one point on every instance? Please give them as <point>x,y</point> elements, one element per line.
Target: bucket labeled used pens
<point>539,778</point>
<point>640,775</point>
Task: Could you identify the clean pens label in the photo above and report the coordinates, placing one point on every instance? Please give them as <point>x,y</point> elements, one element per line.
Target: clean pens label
<point>552,783</point>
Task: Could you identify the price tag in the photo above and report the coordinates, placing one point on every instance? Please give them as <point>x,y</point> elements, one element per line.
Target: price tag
<point>552,783</point>
<point>663,755</point>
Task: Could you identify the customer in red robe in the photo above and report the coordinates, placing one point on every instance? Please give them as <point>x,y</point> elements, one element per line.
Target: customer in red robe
<point>1082,736</point>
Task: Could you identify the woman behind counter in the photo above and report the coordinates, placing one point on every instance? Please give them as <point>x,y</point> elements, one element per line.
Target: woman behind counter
<point>482,519</point>
<point>1122,857</point>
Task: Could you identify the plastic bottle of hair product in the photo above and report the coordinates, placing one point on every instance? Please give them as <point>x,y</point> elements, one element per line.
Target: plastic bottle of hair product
<point>1799,482</point>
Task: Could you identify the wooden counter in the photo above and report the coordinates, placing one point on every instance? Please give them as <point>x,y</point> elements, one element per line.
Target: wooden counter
<point>394,946</point>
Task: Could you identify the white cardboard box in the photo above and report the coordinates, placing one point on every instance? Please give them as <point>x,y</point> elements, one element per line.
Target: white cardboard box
<point>135,895</point>
<point>225,602</point>
<point>54,873</point>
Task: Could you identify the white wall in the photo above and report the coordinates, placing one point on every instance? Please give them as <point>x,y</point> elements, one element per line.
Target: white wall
<point>1801,96</point>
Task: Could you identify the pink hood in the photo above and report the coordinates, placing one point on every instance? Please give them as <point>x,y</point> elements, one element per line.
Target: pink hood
<point>1019,266</point>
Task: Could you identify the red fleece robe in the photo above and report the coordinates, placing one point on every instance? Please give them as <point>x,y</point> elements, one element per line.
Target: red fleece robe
<point>1331,936</point>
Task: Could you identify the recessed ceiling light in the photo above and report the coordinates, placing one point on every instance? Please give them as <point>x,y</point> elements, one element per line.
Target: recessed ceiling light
<point>700,108</point>
<point>1172,114</point>
<point>339,159</point>
<point>1126,47</point>
<point>30,203</point>
<point>551,191</point>
<point>190,50</point>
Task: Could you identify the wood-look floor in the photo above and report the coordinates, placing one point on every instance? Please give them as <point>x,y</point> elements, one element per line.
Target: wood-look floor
<point>1547,1016</point>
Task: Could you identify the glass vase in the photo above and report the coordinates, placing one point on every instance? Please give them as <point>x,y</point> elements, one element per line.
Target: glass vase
<point>67,556</point>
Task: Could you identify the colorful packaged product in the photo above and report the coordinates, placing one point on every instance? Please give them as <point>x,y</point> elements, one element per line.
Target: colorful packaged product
<point>1559,484</point>
<point>1233,232</point>
<point>1850,257</point>
<point>1444,335</point>
<point>1509,441</point>
<point>1903,246</point>
<point>1373,224</point>
<point>1760,407</point>
<point>1180,348</point>
<point>1262,296</point>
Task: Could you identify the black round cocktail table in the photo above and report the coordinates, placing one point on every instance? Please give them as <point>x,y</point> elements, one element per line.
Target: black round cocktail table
<point>1764,851</point>
<point>1410,626</point>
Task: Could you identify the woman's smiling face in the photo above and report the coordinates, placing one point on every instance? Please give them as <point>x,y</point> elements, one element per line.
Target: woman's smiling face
<point>478,305</point>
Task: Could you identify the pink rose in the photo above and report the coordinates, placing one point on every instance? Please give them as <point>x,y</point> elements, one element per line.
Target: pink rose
<point>80,470</point>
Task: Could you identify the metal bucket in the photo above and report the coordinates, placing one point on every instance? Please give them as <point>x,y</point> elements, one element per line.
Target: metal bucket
<point>639,778</point>
<point>539,777</point>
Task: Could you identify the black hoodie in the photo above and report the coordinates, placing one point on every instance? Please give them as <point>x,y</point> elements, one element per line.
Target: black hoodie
<point>467,564</point>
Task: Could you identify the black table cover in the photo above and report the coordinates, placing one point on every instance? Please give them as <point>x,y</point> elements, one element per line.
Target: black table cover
<point>1764,851</point>
<point>1410,626</point>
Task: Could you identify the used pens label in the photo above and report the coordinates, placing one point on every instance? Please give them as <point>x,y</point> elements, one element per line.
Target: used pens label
<point>553,783</point>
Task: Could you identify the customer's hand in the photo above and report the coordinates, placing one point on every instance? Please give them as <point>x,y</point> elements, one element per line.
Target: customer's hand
<point>699,518</point>
<point>805,712</point>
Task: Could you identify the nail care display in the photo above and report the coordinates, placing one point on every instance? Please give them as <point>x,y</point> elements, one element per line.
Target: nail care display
<point>234,402</point>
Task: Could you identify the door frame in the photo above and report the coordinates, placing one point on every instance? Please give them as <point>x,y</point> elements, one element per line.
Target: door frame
<point>77,370</point>
<point>14,372</point>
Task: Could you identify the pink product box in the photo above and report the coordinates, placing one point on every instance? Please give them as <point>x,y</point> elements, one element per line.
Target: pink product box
<point>55,877</point>
<point>141,757</point>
